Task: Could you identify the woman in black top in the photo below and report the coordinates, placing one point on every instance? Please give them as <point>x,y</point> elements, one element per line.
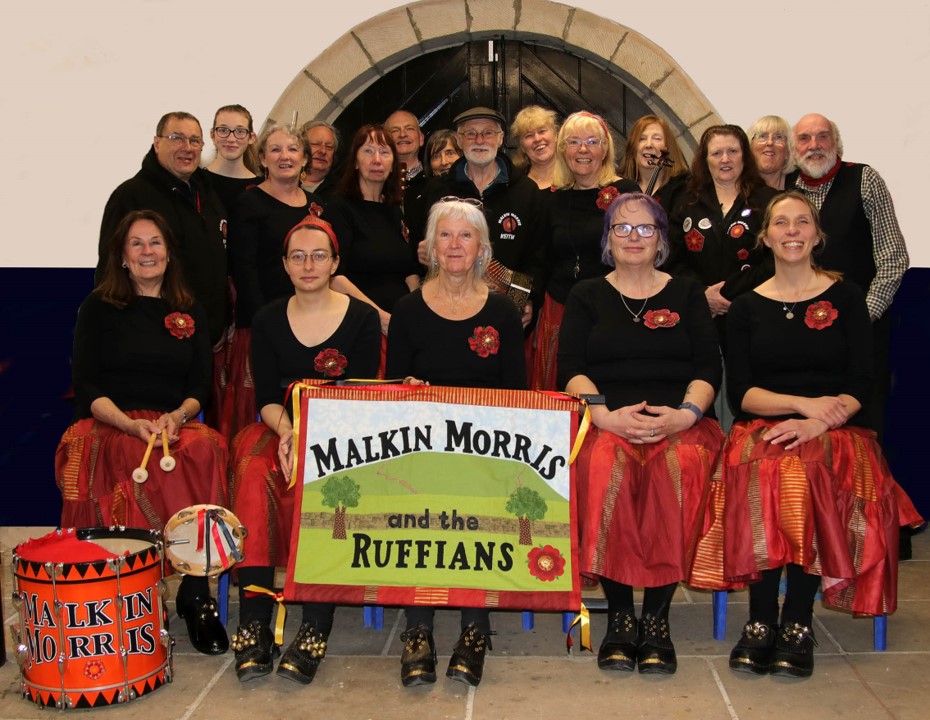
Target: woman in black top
<point>142,366</point>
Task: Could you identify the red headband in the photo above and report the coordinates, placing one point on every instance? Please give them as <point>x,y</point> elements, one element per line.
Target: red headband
<point>314,223</point>
<point>597,118</point>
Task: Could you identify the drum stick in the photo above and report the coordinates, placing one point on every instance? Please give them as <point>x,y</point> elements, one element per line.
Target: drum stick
<point>140,474</point>
<point>167,463</point>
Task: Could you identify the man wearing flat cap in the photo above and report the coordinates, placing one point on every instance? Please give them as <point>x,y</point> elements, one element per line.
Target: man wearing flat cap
<point>512,205</point>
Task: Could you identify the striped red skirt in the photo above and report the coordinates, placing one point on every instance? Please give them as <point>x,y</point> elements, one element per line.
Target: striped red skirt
<point>547,345</point>
<point>239,397</point>
<point>642,507</point>
<point>94,464</point>
<point>830,506</point>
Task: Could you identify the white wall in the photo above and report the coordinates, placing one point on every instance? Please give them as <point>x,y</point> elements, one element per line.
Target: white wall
<point>83,83</point>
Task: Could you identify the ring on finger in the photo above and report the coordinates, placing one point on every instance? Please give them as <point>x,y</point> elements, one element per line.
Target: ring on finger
<point>652,433</point>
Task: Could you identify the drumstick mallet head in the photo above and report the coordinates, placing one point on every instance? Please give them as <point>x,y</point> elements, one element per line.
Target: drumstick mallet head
<point>167,463</point>
<point>140,474</point>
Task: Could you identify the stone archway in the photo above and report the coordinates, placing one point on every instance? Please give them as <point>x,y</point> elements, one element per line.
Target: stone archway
<point>364,54</point>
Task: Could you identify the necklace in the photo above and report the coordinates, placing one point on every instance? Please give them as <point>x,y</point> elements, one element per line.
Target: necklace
<point>789,312</point>
<point>623,300</point>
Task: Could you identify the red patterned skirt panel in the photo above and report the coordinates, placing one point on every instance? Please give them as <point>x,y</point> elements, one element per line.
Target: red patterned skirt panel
<point>547,345</point>
<point>830,506</point>
<point>94,464</point>
<point>239,398</point>
<point>642,507</point>
<point>261,499</point>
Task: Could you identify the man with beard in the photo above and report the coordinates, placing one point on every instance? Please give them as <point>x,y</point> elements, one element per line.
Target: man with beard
<point>512,204</point>
<point>323,141</point>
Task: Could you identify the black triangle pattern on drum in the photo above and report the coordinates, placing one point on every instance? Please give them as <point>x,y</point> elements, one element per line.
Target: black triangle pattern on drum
<point>82,568</point>
<point>35,567</point>
<point>99,566</point>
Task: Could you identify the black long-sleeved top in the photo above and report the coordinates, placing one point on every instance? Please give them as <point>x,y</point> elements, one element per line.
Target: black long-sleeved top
<point>629,361</point>
<point>129,356</point>
<point>432,348</point>
<point>769,351</point>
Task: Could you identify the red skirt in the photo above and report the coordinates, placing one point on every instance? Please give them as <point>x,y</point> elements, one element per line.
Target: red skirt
<point>642,507</point>
<point>94,464</point>
<point>830,506</point>
<point>547,345</point>
<point>239,397</point>
<point>261,499</point>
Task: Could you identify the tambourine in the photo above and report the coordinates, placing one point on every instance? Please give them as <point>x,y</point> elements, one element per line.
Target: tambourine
<point>203,540</point>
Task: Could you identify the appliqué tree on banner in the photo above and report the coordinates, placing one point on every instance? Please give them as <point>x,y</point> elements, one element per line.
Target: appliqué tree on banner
<point>438,496</point>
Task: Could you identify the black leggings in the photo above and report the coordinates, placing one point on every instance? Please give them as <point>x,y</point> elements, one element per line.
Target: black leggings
<point>799,597</point>
<point>422,615</point>
<point>260,607</point>
<point>656,600</point>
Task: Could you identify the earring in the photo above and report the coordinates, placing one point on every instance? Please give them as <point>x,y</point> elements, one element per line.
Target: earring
<point>125,265</point>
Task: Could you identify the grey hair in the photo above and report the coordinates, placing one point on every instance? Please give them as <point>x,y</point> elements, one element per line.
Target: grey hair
<point>458,210</point>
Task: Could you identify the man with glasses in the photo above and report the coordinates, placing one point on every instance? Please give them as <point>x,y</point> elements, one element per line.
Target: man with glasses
<point>172,183</point>
<point>513,206</point>
<point>323,141</point>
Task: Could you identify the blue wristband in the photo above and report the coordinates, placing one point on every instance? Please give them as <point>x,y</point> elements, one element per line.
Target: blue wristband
<point>693,408</point>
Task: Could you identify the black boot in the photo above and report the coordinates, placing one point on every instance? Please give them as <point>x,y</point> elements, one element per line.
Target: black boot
<point>206,632</point>
<point>255,650</point>
<point>303,657</point>
<point>656,651</point>
<point>794,651</point>
<point>620,646</point>
<point>753,652</point>
<point>467,662</point>
<point>418,660</point>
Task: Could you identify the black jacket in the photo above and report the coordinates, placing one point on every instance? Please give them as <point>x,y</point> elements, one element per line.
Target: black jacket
<point>196,217</point>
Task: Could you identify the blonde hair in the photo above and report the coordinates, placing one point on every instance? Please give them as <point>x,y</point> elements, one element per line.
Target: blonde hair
<point>593,126</point>
<point>527,120</point>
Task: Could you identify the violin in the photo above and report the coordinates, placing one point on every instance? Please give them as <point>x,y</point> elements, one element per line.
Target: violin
<point>658,162</point>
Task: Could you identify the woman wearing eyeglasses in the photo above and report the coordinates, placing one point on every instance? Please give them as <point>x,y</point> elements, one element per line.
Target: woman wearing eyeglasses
<point>235,167</point>
<point>261,218</point>
<point>586,182</point>
<point>315,333</point>
<point>646,342</point>
<point>768,137</point>
<point>379,263</point>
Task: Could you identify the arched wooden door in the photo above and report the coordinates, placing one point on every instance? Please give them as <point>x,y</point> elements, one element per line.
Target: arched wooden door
<point>504,74</point>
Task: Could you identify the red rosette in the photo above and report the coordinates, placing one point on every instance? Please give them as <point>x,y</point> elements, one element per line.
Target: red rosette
<point>315,209</point>
<point>661,319</point>
<point>330,362</point>
<point>742,254</point>
<point>181,325</point>
<point>820,315</point>
<point>694,241</point>
<point>485,341</point>
<point>607,195</point>
<point>546,563</point>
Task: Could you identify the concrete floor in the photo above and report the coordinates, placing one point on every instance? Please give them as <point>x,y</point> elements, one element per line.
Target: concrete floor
<point>529,674</point>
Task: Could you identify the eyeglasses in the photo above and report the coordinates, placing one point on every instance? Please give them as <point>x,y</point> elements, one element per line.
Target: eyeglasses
<point>222,131</point>
<point>474,202</point>
<point>776,138</point>
<point>178,139</point>
<point>472,135</point>
<point>299,257</point>
<point>578,142</point>
<point>622,230</point>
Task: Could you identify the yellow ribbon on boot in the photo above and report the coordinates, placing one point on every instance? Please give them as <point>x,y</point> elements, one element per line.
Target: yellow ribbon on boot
<point>282,610</point>
<point>583,620</point>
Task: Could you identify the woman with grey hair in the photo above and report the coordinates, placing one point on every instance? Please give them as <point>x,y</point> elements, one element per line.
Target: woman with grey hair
<point>768,138</point>
<point>453,331</point>
<point>646,342</point>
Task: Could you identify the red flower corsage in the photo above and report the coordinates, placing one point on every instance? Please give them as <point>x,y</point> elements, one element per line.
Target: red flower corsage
<point>315,209</point>
<point>742,254</point>
<point>330,363</point>
<point>820,315</point>
<point>660,319</point>
<point>607,195</point>
<point>486,341</point>
<point>181,325</point>
<point>546,563</point>
<point>694,241</point>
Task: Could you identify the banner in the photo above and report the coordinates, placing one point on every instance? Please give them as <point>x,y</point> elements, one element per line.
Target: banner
<point>434,496</point>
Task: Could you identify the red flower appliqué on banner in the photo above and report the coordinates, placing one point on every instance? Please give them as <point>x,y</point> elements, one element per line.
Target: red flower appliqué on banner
<point>820,315</point>
<point>330,362</point>
<point>486,341</point>
<point>607,195</point>
<point>546,563</point>
<point>181,325</point>
<point>660,319</point>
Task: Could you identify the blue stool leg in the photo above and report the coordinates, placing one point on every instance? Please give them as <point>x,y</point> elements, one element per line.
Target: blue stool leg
<point>529,619</point>
<point>720,614</point>
<point>378,619</point>
<point>880,633</point>
<point>567,619</point>
<point>367,612</point>
<point>222,592</point>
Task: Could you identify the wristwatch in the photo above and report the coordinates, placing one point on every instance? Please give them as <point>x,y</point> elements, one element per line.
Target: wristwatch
<point>693,408</point>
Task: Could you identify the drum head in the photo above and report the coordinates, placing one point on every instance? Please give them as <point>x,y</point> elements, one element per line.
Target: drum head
<point>203,540</point>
